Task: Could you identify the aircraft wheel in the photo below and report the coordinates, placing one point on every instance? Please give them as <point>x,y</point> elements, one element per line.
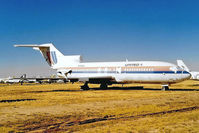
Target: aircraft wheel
<point>103,86</point>
<point>165,88</point>
<point>85,87</point>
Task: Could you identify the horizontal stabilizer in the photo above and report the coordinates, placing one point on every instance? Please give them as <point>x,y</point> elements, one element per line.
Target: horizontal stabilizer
<point>36,46</point>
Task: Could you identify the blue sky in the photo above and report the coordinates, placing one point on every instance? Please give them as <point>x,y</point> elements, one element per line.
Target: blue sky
<point>100,30</point>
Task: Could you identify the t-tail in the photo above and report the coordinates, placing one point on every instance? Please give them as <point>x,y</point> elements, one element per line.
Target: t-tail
<point>54,57</point>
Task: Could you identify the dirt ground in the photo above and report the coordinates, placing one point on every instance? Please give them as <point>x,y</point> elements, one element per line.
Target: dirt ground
<point>129,108</point>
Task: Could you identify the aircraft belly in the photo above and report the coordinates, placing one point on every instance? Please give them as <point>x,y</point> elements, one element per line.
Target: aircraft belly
<point>79,75</point>
<point>151,78</point>
<point>135,78</point>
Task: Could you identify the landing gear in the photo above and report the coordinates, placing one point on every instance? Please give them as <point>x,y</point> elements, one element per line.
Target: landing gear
<point>85,86</point>
<point>21,82</point>
<point>103,86</point>
<point>165,87</point>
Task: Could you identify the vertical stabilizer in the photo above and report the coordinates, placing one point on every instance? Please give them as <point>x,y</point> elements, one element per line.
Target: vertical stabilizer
<point>54,57</point>
<point>48,51</point>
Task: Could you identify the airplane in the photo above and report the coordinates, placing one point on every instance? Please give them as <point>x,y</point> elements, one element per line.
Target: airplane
<point>2,80</point>
<point>194,74</point>
<point>73,69</point>
<point>11,80</point>
<point>24,79</point>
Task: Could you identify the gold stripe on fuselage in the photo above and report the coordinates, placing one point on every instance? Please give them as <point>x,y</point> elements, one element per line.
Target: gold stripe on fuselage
<point>127,68</point>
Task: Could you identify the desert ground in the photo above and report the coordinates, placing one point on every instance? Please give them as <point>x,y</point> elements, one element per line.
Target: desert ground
<point>130,108</point>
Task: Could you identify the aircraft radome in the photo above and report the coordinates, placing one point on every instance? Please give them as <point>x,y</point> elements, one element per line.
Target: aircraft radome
<point>108,73</point>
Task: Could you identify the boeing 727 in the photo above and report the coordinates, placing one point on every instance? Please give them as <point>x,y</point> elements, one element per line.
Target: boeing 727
<point>107,73</point>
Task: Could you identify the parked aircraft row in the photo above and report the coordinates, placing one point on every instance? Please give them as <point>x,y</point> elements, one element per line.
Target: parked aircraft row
<point>107,73</point>
<point>24,79</point>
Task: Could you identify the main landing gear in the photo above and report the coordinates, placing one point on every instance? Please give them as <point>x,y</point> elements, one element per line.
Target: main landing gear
<point>165,87</point>
<point>103,86</point>
<point>85,86</point>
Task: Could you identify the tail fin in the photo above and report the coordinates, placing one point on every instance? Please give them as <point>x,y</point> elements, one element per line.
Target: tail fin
<point>182,65</point>
<point>54,57</point>
<point>23,76</point>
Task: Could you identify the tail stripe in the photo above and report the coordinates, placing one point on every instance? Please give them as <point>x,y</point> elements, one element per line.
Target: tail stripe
<point>48,55</point>
<point>54,57</point>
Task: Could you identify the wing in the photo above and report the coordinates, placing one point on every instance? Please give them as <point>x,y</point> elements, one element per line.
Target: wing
<point>93,79</point>
<point>40,80</point>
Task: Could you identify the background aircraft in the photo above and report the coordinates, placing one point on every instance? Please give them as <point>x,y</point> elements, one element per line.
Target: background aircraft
<point>194,74</point>
<point>24,79</point>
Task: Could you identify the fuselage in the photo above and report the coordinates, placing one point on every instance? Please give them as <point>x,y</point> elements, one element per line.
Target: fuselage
<point>72,68</point>
<point>130,71</point>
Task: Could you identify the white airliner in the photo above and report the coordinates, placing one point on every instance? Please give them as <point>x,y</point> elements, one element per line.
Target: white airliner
<point>108,73</point>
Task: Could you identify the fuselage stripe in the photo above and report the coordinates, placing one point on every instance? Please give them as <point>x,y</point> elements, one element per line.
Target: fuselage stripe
<point>54,57</point>
<point>135,72</point>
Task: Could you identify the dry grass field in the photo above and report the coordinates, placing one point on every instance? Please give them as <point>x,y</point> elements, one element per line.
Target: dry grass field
<point>64,108</point>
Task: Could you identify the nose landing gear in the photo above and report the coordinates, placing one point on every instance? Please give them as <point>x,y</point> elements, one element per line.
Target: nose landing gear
<point>165,87</point>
